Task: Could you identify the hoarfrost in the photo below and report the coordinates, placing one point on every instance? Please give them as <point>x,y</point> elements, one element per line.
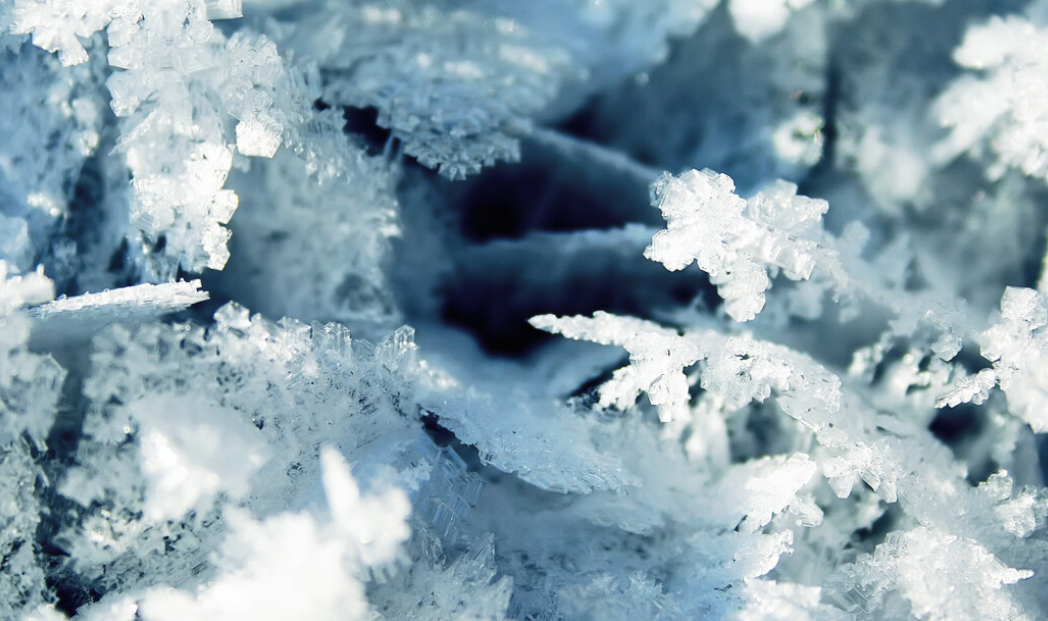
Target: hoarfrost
<point>440,589</point>
<point>29,382</point>
<point>37,191</point>
<point>993,112</point>
<point>1015,347</point>
<point>179,457</point>
<point>733,240</point>
<point>658,357</point>
<point>309,225</point>
<point>30,386</point>
<point>455,86</point>
<point>321,560</point>
<point>922,564</point>
<point>184,114</point>
<point>541,441</point>
<point>72,319</point>
<point>182,459</point>
<point>165,454</point>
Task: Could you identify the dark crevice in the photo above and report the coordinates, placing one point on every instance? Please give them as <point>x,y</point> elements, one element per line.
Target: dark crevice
<point>204,312</point>
<point>545,193</point>
<point>445,438</point>
<point>581,124</point>
<point>953,426</point>
<point>870,538</point>
<point>440,435</point>
<point>363,123</point>
<point>499,334</point>
<point>1033,265</point>
<point>118,262</point>
<point>516,255</point>
<point>1042,453</point>
<point>64,435</point>
<point>587,391</point>
<point>70,591</point>
<point>86,220</point>
<point>831,101</point>
<point>496,303</point>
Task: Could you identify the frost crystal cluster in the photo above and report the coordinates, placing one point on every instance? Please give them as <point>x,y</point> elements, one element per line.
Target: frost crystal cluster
<point>549,310</point>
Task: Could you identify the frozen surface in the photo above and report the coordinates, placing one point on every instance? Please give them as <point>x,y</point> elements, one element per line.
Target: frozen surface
<point>72,319</point>
<point>552,310</point>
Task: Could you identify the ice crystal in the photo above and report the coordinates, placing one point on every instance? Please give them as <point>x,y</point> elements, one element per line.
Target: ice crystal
<point>838,415</point>
<point>657,359</point>
<point>321,560</point>
<point>1015,346</point>
<point>733,240</point>
<point>183,112</point>
<point>180,454</point>
<point>58,114</point>
<point>921,563</point>
<point>77,318</point>
<point>455,86</point>
<point>311,225</point>
<point>30,386</point>
<point>520,437</point>
<point>1007,120</point>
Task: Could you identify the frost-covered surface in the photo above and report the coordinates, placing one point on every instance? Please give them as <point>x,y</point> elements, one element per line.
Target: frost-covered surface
<point>548,310</point>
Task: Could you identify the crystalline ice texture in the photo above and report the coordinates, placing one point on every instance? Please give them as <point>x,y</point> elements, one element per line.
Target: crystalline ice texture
<point>733,240</point>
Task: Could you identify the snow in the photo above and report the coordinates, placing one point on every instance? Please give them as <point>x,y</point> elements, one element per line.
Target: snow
<point>733,240</point>
<point>386,310</point>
